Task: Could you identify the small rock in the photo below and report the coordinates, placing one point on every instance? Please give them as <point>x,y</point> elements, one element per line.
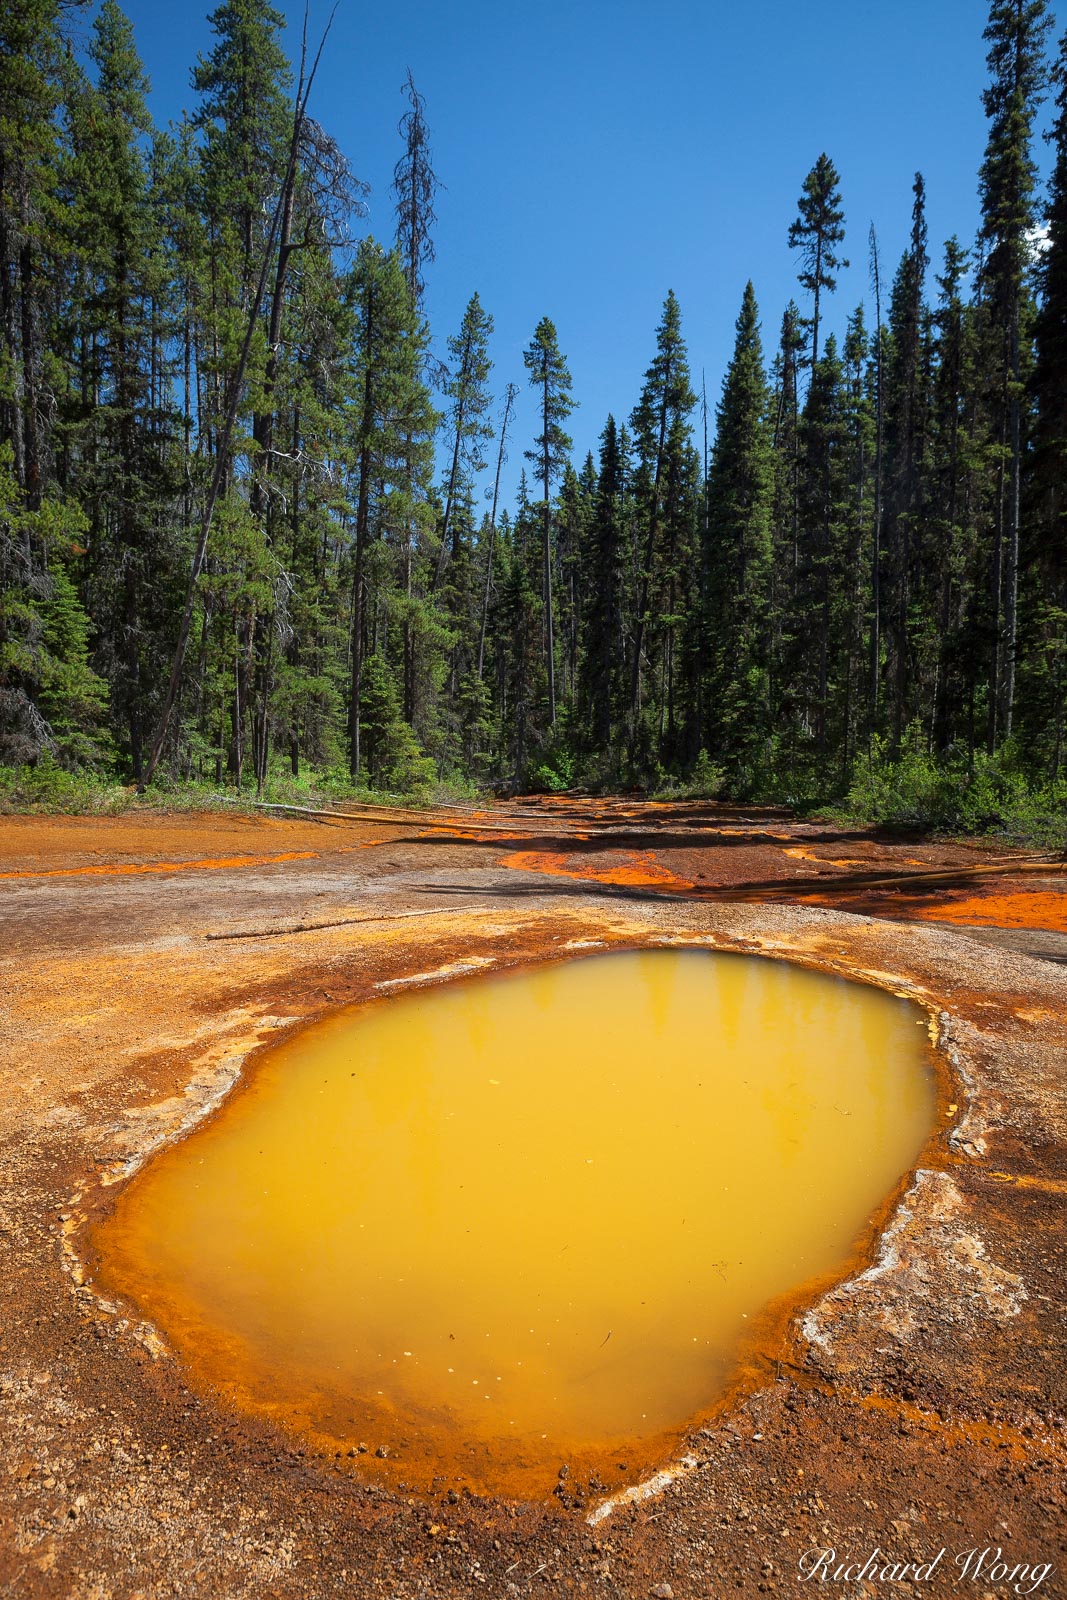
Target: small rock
<point>662,1591</point>
<point>382,1451</point>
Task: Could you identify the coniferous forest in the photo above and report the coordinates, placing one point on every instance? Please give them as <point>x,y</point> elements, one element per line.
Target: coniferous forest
<point>252,525</point>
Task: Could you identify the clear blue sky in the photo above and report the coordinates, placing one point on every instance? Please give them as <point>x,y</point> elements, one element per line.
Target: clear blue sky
<point>597,153</point>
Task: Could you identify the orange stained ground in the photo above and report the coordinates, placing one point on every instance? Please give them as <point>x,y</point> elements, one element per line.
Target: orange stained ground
<point>1035,909</point>
<point>641,868</point>
<point>528,1219</point>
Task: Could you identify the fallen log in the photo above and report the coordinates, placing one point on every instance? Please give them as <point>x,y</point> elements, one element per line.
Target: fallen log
<point>315,927</point>
<point>382,815</point>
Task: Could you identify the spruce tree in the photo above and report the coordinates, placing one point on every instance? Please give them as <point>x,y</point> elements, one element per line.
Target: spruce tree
<point>466,391</point>
<point>906,429</point>
<point>740,506</point>
<point>1015,33</point>
<point>816,234</point>
<point>415,186</point>
<point>246,119</point>
<point>117,431</point>
<point>661,440</point>
<point>1045,555</point>
<point>33,247</point>
<point>811,677</point>
<point>510,396</point>
<point>603,659</point>
<point>391,419</point>
<point>550,377</point>
<point>1049,468</point>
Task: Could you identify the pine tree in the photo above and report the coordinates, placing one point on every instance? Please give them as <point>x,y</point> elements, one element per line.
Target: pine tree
<point>52,704</point>
<point>391,420</point>
<point>1015,33</point>
<point>1049,468</point>
<point>825,495</point>
<point>661,441</point>
<point>552,380</point>
<point>246,119</point>
<point>32,244</point>
<point>118,431</point>
<point>415,186</point>
<point>953,504</point>
<point>860,408</point>
<point>603,661</point>
<point>469,400</point>
<point>816,233</point>
<point>740,506</point>
<point>510,396</point>
<point>906,428</point>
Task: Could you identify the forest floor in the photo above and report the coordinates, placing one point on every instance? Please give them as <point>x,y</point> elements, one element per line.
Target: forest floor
<point>916,1406</point>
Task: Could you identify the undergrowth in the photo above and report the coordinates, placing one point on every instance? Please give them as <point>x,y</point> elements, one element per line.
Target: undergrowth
<point>47,789</point>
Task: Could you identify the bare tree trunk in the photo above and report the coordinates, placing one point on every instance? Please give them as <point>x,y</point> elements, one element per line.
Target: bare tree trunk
<point>509,399</point>
<point>1011,575</point>
<point>547,548</point>
<point>650,551</point>
<point>876,553</point>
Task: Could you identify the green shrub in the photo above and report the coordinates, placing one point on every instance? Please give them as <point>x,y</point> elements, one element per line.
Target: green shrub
<point>956,793</point>
<point>47,787</point>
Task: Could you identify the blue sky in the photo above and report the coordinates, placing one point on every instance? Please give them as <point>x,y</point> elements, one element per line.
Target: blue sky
<point>597,154</point>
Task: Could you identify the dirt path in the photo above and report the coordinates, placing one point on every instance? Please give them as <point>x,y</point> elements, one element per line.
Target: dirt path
<point>917,1406</point>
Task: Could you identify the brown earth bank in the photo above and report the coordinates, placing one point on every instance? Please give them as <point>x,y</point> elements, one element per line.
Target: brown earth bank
<point>913,1408</point>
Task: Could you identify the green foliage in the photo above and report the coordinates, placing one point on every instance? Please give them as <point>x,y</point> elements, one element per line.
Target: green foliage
<point>394,760</point>
<point>871,536</point>
<point>738,549</point>
<point>47,787</point>
<point>52,704</point>
<point>705,781</point>
<point>917,789</point>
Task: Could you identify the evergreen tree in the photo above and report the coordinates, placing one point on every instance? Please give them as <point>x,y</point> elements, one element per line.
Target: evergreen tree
<point>661,439</point>
<point>468,403</point>
<point>552,380</point>
<point>603,662</point>
<point>391,417</point>
<point>1015,33</point>
<point>120,423</point>
<point>825,494</point>
<point>1045,558</point>
<point>246,119</point>
<point>32,243</point>
<point>415,186</point>
<point>906,429</point>
<point>1050,365</point>
<point>510,396</point>
<point>816,233</point>
<point>740,507</point>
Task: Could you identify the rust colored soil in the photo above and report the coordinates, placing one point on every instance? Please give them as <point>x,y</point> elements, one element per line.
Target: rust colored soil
<point>638,868</point>
<point>915,1405</point>
<point>124,868</point>
<point>1037,909</point>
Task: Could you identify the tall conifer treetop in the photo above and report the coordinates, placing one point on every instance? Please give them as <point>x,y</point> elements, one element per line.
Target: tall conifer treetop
<point>415,186</point>
<point>550,376</point>
<point>816,233</point>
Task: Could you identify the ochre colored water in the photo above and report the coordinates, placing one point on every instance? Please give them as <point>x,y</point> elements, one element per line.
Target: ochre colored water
<point>524,1220</point>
